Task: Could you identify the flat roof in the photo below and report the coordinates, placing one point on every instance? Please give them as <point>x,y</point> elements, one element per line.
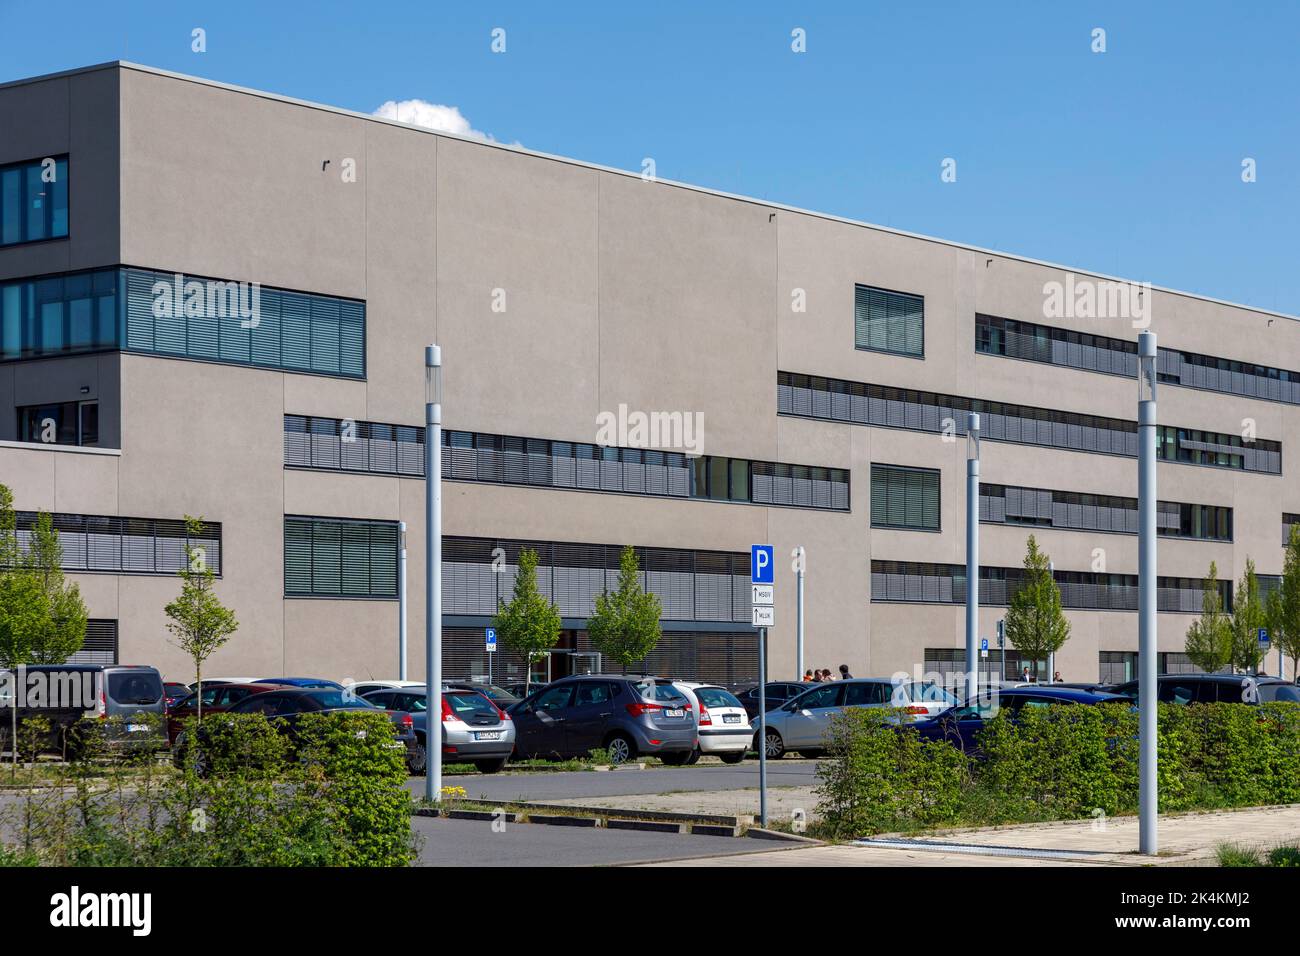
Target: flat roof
<point>765,203</point>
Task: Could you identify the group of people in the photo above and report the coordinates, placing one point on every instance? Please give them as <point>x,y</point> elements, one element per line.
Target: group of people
<point>821,676</point>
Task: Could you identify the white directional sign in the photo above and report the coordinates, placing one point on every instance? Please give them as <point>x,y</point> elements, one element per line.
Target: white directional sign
<point>764,615</point>
<point>764,594</point>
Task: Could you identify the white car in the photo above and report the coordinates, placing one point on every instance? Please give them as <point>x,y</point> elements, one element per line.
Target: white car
<point>362,687</point>
<point>721,724</point>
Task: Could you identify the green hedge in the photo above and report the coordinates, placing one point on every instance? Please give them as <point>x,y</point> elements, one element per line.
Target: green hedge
<point>1061,762</point>
<point>243,796</point>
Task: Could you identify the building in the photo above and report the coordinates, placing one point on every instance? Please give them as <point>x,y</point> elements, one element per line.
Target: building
<point>215,303</point>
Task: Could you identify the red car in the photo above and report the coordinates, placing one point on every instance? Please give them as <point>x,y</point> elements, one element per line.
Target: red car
<point>217,699</point>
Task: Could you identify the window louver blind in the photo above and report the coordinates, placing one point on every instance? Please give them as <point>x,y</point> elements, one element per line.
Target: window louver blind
<point>338,557</point>
<point>887,321</point>
<point>904,497</point>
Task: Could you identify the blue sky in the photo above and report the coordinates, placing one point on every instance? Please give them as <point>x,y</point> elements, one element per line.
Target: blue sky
<point>1126,162</point>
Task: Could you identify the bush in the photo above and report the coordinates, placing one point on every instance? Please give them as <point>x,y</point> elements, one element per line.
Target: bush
<point>1060,762</point>
<point>337,799</point>
<point>876,778</point>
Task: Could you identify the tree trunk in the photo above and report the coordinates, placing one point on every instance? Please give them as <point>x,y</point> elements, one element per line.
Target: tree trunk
<point>198,690</point>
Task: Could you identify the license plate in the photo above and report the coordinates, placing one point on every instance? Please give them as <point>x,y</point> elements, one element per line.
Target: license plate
<point>487,735</point>
<point>675,712</point>
<point>136,728</point>
<point>731,718</point>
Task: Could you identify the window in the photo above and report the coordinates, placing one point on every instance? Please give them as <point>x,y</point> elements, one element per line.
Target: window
<point>921,583</point>
<point>1040,343</point>
<point>859,403</point>
<point>1117,667</point>
<point>345,445</point>
<point>99,645</point>
<point>887,321</point>
<point>1067,510</point>
<point>64,423</point>
<point>339,557</point>
<point>125,545</point>
<point>1289,521</point>
<point>34,200</point>
<point>904,497</point>
<point>243,323</point>
<point>59,315</point>
<point>867,693</point>
<point>828,695</point>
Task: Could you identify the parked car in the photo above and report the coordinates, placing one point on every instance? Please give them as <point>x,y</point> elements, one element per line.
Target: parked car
<point>474,730</point>
<point>174,691</point>
<point>1096,687</point>
<point>307,683</point>
<point>498,695</point>
<point>520,690</point>
<point>1215,688</point>
<point>194,685</point>
<point>283,706</point>
<point>778,692</point>
<point>69,692</point>
<point>801,723</point>
<point>960,725</point>
<point>721,723</point>
<point>217,699</point>
<point>626,716</point>
<point>363,687</point>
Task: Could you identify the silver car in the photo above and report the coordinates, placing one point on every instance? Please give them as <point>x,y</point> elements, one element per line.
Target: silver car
<point>474,729</point>
<point>801,723</point>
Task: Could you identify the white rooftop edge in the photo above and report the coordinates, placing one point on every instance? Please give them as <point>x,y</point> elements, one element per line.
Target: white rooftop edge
<point>768,204</point>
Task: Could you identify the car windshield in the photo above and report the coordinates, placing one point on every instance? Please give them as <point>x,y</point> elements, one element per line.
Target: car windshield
<point>134,687</point>
<point>466,705</point>
<point>716,697</point>
<point>1289,693</point>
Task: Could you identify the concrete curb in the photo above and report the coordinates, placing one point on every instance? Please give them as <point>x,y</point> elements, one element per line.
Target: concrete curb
<point>561,821</point>
<point>715,829</point>
<point>653,826</point>
<point>623,813</point>
<point>758,833</point>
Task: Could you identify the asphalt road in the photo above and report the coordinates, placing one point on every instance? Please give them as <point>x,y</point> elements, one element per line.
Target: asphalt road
<point>474,843</point>
<point>544,786</point>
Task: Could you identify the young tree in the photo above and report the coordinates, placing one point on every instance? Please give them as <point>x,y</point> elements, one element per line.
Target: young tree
<point>1247,619</point>
<point>1209,641</point>
<point>625,624</point>
<point>63,628</point>
<point>1283,609</point>
<point>200,622</point>
<point>1035,625</point>
<point>530,624</point>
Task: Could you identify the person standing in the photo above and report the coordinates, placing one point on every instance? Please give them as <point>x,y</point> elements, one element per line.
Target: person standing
<point>844,672</point>
<point>808,676</point>
<point>1024,675</point>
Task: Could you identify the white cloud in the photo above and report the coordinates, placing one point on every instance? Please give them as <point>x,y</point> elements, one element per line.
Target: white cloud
<point>445,119</point>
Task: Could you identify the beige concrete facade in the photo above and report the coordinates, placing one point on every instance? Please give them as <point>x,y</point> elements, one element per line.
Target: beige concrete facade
<point>618,291</point>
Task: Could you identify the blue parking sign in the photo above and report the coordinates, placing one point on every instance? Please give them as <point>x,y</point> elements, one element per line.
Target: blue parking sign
<point>984,643</point>
<point>1263,637</point>
<point>491,640</point>
<point>761,570</point>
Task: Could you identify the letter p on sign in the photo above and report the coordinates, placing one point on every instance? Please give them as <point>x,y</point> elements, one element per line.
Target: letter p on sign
<point>761,569</point>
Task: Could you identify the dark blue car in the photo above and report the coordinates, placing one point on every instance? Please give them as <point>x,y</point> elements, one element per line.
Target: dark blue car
<point>960,725</point>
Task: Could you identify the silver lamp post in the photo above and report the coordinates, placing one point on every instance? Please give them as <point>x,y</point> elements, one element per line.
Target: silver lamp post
<point>1147,728</point>
<point>401,600</point>
<point>972,550</point>
<point>433,571</point>
<point>799,557</point>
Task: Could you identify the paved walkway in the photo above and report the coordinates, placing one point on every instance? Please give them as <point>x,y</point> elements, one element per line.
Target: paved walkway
<point>1184,840</point>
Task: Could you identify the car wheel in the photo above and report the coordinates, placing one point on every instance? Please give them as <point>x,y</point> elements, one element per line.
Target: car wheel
<point>735,756</point>
<point>676,758</point>
<point>491,766</point>
<point>775,746</point>
<point>417,760</point>
<point>694,757</point>
<point>620,748</point>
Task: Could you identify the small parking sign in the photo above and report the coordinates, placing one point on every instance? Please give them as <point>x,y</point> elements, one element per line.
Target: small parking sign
<point>761,569</point>
<point>491,640</point>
